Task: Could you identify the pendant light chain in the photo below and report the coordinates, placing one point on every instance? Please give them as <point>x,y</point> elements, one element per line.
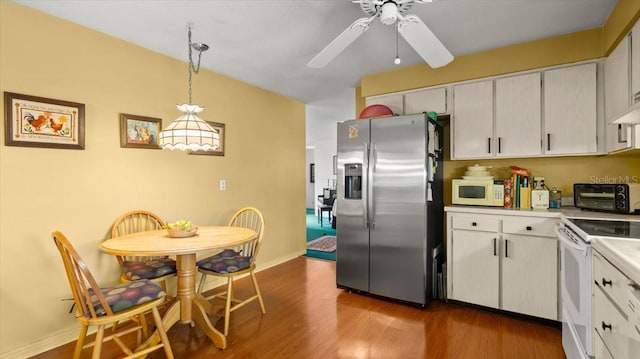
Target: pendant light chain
<point>191,67</point>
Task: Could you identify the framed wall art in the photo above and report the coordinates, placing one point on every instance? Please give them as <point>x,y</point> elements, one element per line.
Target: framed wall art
<point>139,131</point>
<point>220,128</point>
<point>32,121</point>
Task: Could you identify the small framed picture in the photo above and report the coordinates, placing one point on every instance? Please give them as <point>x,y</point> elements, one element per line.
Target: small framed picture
<point>32,121</point>
<point>220,128</point>
<point>139,131</point>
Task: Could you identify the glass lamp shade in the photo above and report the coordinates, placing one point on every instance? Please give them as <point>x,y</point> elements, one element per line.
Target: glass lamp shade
<point>189,132</point>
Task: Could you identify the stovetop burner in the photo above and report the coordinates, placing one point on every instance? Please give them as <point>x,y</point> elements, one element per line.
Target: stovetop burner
<point>602,228</point>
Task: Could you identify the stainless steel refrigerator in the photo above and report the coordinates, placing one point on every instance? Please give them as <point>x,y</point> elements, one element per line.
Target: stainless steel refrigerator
<point>390,206</point>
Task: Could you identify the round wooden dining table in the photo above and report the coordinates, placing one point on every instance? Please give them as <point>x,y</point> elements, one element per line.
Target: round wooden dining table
<point>189,307</point>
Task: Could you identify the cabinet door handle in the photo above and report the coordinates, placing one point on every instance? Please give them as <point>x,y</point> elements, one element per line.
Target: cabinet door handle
<point>474,224</point>
<point>499,144</point>
<point>548,142</point>
<point>506,248</point>
<point>634,286</point>
<point>529,228</point>
<point>620,140</point>
<point>605,326</point>
<point>489,144</point>
<point>495,250</point>
<point>605,282</point>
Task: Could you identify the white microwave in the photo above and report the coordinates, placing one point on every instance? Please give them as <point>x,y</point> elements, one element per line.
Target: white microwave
<point>478,192</point>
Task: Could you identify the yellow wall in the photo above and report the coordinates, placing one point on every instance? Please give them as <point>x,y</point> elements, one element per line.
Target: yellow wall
<point>619,23</point>
<point>561,172</point>
<point>569,48</point>
<point>81,192</point>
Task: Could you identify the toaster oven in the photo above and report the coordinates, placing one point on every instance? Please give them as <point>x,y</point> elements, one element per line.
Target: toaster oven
<point>608,197</point>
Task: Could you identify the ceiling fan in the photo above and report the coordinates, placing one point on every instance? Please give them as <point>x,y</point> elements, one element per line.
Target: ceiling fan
<point>412,29</point>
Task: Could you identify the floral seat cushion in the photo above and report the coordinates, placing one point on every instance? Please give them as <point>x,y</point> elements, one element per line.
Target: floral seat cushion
<point>227,261</point>
<point>127,295</point>
<point>149,269</point>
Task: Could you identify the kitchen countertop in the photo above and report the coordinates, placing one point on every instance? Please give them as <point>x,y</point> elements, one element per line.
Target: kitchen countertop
<point>567,212</point>
<point>624,254</point>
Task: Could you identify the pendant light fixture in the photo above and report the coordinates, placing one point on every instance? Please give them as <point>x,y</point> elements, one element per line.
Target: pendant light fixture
<point>189,132</point>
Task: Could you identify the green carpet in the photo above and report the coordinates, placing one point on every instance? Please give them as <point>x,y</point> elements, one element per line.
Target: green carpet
<point>314,230</point>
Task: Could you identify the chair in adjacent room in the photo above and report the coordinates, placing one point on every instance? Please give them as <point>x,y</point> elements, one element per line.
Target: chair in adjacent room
<point>104,307</point>
<point>235,262</point>
<point>155,268</point>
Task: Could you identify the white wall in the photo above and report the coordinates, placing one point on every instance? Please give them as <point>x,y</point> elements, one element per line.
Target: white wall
<point>310,187</point>
<point>321,119</point>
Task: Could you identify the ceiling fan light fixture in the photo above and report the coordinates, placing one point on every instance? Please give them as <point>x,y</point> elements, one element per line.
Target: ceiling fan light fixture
<point>412,29</point>
<point>389,13</point>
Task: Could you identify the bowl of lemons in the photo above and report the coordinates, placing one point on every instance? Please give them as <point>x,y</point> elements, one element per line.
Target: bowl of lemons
<point>181,229</point>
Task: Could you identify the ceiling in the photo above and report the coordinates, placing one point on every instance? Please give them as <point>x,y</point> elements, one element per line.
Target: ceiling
<point>268,43</point>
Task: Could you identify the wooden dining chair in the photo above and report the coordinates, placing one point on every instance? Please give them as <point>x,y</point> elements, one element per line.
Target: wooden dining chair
<point>155,268</point>
<point>234,262</point>
<point>103,307</point>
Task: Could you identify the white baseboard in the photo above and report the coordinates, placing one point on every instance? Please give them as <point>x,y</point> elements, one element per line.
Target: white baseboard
<point>45,344</point>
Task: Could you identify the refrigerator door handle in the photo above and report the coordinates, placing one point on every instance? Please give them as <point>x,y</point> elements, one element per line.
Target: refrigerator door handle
<point>365,185</point>
<point>370,171</point>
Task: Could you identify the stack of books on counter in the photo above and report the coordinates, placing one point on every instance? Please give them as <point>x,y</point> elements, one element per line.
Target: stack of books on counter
<point>517,189</point>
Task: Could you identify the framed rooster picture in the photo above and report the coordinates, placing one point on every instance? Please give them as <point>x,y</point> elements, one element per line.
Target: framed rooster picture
<point>33,121</point>
<point>139,131</point>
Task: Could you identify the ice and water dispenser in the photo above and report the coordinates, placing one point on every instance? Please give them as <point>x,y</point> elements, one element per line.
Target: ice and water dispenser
<point>353,181</point>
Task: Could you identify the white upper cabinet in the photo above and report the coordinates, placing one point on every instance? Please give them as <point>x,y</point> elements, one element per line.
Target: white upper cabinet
<point>518,108</point>
<point>426,100</point>
<point>570,111</point>
<point>635,63</point>
<point>616,94</point>
<point>552,112</point>
<point>395,102</point>
<point>513,130</point>
<point>472,120</point>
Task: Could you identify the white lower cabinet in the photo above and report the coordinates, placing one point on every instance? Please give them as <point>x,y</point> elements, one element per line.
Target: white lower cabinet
<point>476,269</point>
<point>529,275</point>
<point>503,262</point>
<point>601,351</point>
<point>615,322</point>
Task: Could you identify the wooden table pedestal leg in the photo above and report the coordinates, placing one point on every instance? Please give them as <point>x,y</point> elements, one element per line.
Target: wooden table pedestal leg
<point>188,308</point>
<point>194,307</point>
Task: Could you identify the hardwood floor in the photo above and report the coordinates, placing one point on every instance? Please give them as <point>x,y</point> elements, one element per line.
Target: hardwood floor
<point>308,317</point>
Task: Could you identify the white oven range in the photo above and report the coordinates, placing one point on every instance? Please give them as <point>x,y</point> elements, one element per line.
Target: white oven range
<point>576,277</point>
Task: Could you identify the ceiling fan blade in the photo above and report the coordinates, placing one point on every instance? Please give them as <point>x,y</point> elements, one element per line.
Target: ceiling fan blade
<point>424,41</point>
<point>341,42</point>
